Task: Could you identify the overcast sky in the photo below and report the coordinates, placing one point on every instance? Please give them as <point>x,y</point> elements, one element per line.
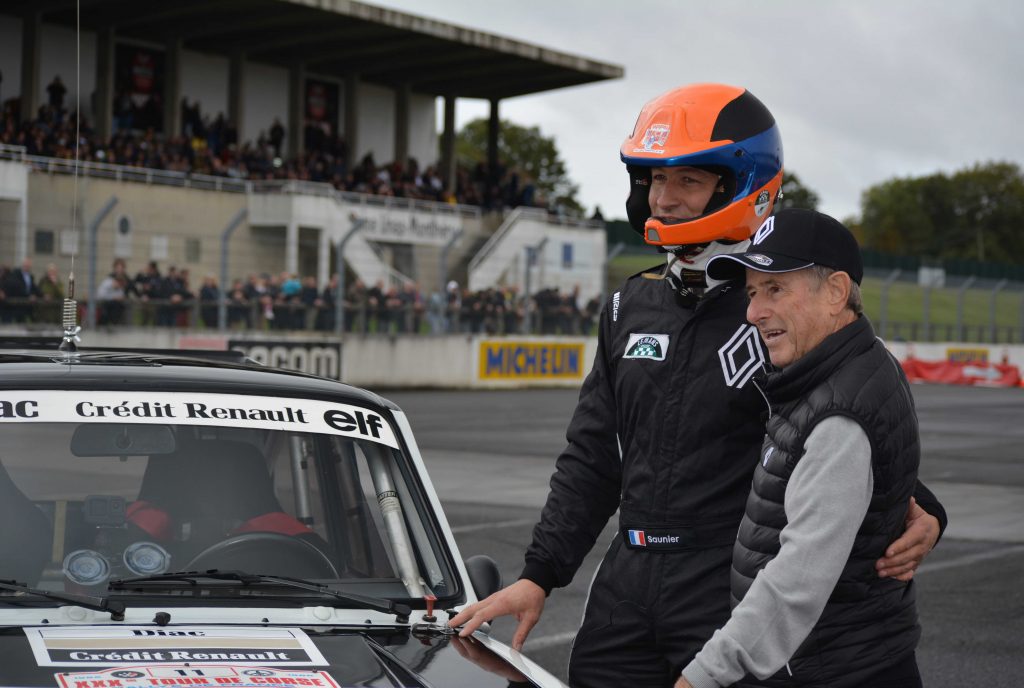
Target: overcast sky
<point>863,90</point>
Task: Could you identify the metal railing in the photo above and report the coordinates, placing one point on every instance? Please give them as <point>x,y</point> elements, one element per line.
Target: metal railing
<point>146,175</point>
<point>323,189</point>
<point>124,173</point>
<point>424,318</point>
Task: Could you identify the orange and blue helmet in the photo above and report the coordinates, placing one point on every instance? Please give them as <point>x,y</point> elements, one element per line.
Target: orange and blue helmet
<point>719,128</point>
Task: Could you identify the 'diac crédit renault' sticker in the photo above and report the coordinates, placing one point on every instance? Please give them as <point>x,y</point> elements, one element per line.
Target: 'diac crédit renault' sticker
<point>128,646</point>
<point>180,408</point>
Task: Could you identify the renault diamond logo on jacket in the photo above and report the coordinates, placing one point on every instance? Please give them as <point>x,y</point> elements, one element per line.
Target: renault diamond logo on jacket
<point>636,537</point>
<point>741,356</point>
<point>649,346</point>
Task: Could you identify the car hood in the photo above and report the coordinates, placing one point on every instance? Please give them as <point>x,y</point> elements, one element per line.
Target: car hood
<point>347,657</point>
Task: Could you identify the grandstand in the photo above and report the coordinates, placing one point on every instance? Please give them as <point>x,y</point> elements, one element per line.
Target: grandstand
<point>246,136</point>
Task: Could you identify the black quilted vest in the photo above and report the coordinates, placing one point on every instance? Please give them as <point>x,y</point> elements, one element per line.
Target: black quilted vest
<point>869,622</point>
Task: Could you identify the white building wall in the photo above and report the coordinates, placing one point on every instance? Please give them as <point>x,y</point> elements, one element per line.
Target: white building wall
<point>503,259</point>
<point>376,124</point>
<point>423,130</point>
<point>587,250</point>
<point>266,97</point>
<point>204,77</point>
<point>57,56</point>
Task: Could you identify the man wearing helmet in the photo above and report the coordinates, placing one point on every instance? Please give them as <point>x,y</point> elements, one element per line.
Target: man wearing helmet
<point>667,428</point>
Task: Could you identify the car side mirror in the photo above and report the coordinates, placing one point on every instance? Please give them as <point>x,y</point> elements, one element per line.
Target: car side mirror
<point>484,575</point>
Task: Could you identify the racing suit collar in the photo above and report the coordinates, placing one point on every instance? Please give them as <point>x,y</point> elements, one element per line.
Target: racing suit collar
<point>699,262</point>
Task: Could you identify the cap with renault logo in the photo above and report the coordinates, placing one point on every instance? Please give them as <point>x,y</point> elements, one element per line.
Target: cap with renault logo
<point>790,240</point>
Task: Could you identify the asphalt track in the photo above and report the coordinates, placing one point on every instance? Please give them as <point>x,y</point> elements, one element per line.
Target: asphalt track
<point>490,455</point>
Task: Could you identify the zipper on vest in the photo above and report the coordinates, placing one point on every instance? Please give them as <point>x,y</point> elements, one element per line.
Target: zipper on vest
<point>763,396</point>
<point>788,670</point>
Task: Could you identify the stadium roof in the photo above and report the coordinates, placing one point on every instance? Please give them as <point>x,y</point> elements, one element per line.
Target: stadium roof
<point>338,37</point>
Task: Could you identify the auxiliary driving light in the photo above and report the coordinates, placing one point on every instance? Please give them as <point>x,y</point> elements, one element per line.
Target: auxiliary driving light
<point>146,558</point>
<point>86,567</point>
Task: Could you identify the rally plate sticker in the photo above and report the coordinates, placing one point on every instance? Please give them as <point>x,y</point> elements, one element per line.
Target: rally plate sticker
<point>195,675</point>
<point>130,646</point>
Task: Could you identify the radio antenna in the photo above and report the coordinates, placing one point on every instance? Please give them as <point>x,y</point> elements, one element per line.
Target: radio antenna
<point>69,314</point>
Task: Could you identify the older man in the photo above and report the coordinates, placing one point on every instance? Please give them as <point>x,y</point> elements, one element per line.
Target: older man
<point>836,469</point>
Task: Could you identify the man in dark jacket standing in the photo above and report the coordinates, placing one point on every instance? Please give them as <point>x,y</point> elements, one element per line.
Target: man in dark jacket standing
<point>668,427</point>
<point>838,464</point>
<point>20,284</point>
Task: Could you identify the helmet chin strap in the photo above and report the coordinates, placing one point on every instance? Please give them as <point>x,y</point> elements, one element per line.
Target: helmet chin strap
<point>685,270</point>
<point>696,258</point>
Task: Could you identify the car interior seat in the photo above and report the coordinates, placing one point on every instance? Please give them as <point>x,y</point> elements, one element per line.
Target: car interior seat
<point>26,538</point>
<point>208,488</point>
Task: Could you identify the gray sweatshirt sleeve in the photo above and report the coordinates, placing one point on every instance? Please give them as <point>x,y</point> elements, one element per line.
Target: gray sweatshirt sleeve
<point>826,500</point>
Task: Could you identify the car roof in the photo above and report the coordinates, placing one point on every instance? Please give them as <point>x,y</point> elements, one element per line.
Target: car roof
<point>228,372</point>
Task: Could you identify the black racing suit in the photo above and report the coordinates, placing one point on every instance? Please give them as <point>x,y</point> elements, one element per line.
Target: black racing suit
<point>667,430</point>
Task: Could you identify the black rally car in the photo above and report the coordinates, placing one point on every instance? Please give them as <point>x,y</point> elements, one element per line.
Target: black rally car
<point>168,520</point>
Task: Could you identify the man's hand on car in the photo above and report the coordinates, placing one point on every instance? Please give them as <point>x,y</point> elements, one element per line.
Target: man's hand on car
<point>904,555</point>
<point>524,599</point>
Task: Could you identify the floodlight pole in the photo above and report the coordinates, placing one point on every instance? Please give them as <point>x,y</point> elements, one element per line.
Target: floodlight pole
<point>339,290</point>
<point>960,294</point>
<point>883,318</point>
<point>992,310</point>
<point>532,255</point>
<point>225,237</point>
<point>443,280</point>
<point>91,231</point>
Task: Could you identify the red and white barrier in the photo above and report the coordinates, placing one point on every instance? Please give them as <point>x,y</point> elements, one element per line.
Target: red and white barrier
<point>981,373</point>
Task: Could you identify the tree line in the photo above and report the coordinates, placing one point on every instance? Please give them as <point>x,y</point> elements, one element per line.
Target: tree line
<point>973,213</point>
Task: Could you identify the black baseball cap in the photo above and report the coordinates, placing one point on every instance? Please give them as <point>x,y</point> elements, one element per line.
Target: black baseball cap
<point>790,240</point>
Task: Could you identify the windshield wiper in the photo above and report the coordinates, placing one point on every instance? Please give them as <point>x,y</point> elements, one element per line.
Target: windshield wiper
<point>99,604</point>
<point>401,611</point>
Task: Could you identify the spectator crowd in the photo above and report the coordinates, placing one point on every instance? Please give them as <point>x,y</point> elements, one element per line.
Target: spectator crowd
<point>211,146</point>
<point>285,302</point>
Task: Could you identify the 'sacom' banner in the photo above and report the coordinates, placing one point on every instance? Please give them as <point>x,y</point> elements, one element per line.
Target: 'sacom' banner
<point>503,359</point>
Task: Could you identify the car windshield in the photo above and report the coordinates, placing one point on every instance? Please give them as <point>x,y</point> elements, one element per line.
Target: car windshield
<point>99,485</point>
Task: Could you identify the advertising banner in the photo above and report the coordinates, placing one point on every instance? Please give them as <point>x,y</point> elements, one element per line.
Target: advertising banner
<point>955,372</point>
<point>138,88</point>
<point>502,359</point>
<point>322,105</point>
<point>407,225</point>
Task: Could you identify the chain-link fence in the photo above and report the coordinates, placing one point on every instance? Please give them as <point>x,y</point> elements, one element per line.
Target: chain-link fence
<point>926,305</point>
<point>488,312</point>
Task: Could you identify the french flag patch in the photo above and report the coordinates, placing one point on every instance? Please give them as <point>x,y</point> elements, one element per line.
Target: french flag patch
<point>636,537</point>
